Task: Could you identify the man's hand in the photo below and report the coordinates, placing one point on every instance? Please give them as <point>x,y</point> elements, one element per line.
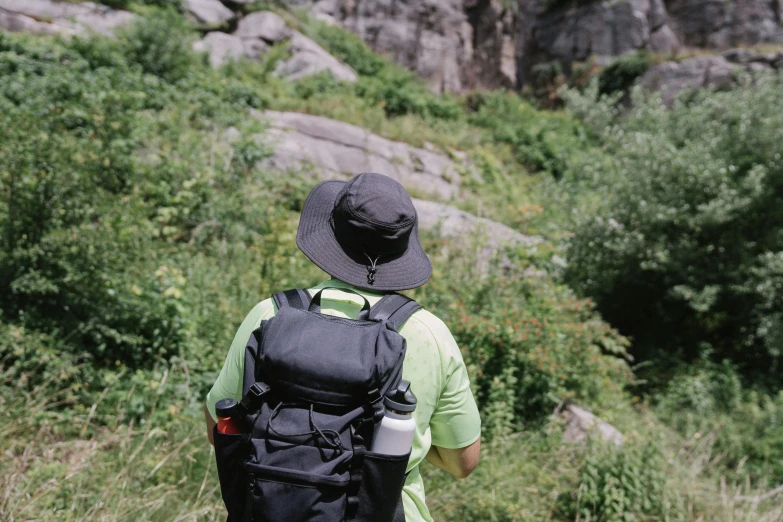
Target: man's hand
<point>459,462</point>
<point>210,425</point>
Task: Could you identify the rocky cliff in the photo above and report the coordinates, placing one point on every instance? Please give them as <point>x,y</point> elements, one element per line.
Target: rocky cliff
<point>458,45</point>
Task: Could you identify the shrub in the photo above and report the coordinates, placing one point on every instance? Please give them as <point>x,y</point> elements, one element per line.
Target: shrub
<point>706,403</point>
<point>540,141</point>
<point>349,48</point>
<point>619,485</point>
<point>529,343</point>
<point>160,45</point>
<point>678,240</point>
<point>621,74</point>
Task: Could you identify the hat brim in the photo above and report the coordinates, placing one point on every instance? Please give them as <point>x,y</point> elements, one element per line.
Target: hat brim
<point>316,239</point>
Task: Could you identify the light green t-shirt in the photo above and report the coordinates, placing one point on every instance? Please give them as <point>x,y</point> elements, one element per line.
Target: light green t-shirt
<point>446,414</point>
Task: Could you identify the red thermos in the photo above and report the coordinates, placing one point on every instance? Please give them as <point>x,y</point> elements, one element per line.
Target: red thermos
<point>225,410</point>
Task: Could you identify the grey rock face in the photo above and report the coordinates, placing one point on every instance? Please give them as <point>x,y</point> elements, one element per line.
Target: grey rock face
<point>209,12</point>
<point>335,149</point>
<point>49,17</point>
<point>601,30</point>
<point>308,58</point>
<point>704,71</point>
<point>264,25</point>
<point>19,23</point>
<point>221,47</point>
<point>720,24</point>
<point>339,149</point>
<point>429,37</point>
<point>747,56</point>
<point>580,424</point>
<point>257,31</point>
<point>664,41</point>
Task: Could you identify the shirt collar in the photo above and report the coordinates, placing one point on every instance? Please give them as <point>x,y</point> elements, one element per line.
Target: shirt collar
<point>336,283</point>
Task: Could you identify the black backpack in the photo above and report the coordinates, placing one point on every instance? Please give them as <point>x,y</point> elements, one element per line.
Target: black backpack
<point>313,385</point>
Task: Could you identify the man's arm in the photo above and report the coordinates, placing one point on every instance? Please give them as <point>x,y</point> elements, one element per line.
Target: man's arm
<point>459,462</point>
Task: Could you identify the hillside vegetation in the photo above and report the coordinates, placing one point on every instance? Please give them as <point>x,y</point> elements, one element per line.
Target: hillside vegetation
<point>136,234</point>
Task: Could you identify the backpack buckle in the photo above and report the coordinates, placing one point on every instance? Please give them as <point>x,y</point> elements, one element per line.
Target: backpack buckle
<point>255,395</point>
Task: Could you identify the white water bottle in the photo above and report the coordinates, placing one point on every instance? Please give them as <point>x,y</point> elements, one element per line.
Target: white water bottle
<point>394,434</point>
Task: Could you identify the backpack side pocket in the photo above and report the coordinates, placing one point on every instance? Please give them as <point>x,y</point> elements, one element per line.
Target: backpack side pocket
<point>380,493</point>
<point>230,454</point>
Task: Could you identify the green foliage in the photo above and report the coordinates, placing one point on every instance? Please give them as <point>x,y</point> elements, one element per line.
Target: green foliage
<point>621,74</point>
<point>540,141</point>
<point>91,188</point>
<point>160,44</point>
<point>679,241</point>
<point>706,403</point>
<point>620,485</point>
<point>529,344</point>
<point>350,49</point>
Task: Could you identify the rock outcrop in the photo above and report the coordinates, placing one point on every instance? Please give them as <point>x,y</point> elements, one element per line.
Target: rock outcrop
<point>581,424</point>
<point>208,13</point>
<point>254,35</point>
<point>716,72</point>
<point>704,71</point>
<point>430,37</point>
<point>339,149</point>
<point>598,30</point>
<point>720,24</point>
<point>480,236</point>
<point>457,45</point>
<point>50,17</point>
<point>333,149</point>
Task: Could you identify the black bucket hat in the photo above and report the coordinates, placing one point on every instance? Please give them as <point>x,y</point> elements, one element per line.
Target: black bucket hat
<point>364,232</point>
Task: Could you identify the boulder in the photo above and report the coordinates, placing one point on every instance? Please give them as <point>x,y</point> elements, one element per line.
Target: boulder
<point>209,12</point>
<point>221,47</point>
<point>264,25</point>
<point>309,58</point>
<point>580,424</point>
<point>254,48</point>
<point>49,17</point>
<point>47,10</point>
<point>746,56</point>
<point>721,24</point>
<point>19,23</point>
<point>703,71</point>
<point>664,41</point>
<point>480,236</point>
<point>337,149</point>
<point>333,149</point>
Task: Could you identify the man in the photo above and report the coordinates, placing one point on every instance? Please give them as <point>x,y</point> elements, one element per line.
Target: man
<point>364,234</point>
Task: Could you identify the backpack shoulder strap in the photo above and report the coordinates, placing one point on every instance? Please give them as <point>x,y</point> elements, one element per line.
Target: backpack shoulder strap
<point>394,308</point>
<point>295,298</point>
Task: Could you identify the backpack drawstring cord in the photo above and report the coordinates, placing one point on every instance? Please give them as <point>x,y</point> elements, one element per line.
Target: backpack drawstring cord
<point>331,437</point>
<point>371,269</point>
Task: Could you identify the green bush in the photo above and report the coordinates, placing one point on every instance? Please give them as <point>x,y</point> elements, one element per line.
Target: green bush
<point>706,403</point>
<point>160,44</point>
<point>539,140</point>
<point>678,240</point>
<point>620,485</point>
<point>621,74</point>
<point>349,48</point>
<point>529,344</point>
